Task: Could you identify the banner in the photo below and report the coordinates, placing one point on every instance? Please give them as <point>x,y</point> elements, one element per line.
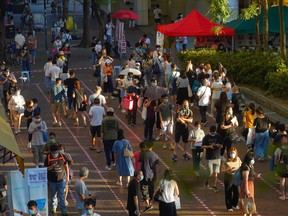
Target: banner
<point>33,187</point>
<point>160,39</point>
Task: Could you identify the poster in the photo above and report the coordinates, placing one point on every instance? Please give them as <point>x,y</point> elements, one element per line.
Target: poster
<point>160,39</point>
<point>33,186</point>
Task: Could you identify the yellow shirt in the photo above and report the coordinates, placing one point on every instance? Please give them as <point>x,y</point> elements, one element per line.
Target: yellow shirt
<point>249,119</point>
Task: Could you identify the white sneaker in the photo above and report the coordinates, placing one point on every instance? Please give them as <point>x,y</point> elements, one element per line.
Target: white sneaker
<point>230,210</point>
<point>157,138</point>
<point>29,145</point>
<point>119,183</point>
<point>211,115</point>
<point>123,111</point>
<point>114,164</point>
<point>108,168</point>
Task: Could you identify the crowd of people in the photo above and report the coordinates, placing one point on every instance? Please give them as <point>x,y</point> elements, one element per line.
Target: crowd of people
<point>167,98</point>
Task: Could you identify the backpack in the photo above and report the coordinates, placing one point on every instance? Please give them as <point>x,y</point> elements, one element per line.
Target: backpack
<point>127,103</point>
<point>195,86</point>
<point>240,103</point>
<point>282,165</point>
<point>156,68</point>
<point>174,82</point>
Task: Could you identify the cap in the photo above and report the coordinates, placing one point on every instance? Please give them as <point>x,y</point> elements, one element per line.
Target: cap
<point>110,109</point>
<point>61,53</point>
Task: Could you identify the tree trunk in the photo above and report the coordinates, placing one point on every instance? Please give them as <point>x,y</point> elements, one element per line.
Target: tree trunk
<point>2,28</point>
<point>258,40</point>
<point>265,24</point>
<point>85,41</point>
<point>65,9</point>
<point>100,20</point>
<point>282,32</point>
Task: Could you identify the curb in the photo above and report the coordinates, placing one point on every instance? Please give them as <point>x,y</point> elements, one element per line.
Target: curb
<point>266,102</point>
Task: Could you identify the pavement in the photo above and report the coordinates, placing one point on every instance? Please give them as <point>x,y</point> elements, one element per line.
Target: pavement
<point>111,198</point>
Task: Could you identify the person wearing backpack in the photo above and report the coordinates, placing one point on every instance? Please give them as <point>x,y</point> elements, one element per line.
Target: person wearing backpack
<point>173,83</point>
<point>239,102</point>
<point>262,125</point>
<point>229,168</point>
<point>281,162</point>
<point>58,177</point>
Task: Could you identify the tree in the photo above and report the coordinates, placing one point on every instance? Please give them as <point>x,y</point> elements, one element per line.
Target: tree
<point>219,10</point>
<point>265,6</point>
<point>65,11</point>
<point>282,32</point>
<point>2,27</point>
<point>85,41</point>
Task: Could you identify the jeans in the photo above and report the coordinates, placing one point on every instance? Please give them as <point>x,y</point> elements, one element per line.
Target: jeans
<point>108,145</point>
<point>26,65</point>
<point>37,151</point>
<point>58,188</point>
<point>196,157</point>
<point>148,75</point>
<point>93,58</point>
<point>261,144</point>
<point>203,110</point>
<point>148,130</point>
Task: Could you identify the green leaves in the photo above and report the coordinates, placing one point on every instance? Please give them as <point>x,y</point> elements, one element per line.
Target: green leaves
<point>250,12</point>
<point>219,10</point>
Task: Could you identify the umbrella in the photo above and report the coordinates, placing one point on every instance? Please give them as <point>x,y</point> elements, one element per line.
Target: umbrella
<point>125,14</point>
<point>155,93</point>
<point>133,70</point>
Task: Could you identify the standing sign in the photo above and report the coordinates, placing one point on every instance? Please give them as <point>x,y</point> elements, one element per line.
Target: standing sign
<point>123,46</point>
<point>160,39</point>
<point>33,187</point>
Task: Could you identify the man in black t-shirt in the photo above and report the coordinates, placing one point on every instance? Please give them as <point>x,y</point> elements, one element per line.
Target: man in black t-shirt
<point>58,176</point>
<point>212,142</point>
<point>134,194</point>
<point>70,85</point>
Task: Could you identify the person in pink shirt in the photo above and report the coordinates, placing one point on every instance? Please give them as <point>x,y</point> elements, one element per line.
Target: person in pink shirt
<point>137,154</point>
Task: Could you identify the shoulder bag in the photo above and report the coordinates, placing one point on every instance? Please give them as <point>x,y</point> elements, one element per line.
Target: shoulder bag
<point>127,152</point>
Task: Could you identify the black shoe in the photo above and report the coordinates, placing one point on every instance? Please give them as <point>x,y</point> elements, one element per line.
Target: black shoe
<point>186,157</point>
<point>148,208</point>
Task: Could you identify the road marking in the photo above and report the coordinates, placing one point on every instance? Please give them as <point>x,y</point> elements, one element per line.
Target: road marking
<point>88,156</point>
<point>165,165</point>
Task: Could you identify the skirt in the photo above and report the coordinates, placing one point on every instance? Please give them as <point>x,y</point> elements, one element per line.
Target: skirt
<point>242,192</point>
<point>167,209</point>
<point>182,95</point>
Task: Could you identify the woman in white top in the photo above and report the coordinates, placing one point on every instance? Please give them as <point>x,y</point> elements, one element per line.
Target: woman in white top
<point>16,105</point>
<point>173,83</point>
<point>131,62</point>
<point>203,94</point>
<point>227,87</point>
<point>169,192</point>
<point>182,84</point>
<point>167,69</point>
<point>57,44</point>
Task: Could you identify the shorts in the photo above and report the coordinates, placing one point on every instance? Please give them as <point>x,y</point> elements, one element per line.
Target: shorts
<point>173,91</point>
<point>214,165</point>
<point>95,131</point>
<point>56,107</point>
<point>32,52</point>
<point>181,130</point>
<point>167,129</point>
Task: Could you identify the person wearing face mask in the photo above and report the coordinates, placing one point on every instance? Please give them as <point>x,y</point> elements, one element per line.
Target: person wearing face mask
<point>8,80</point>
<point>16,104</point>
<point>172,83</point>
<point>32,209</point>
<point>195,137</point>
<point>134,194</point>
<point>248,175</point>
<point>166,121</point>
<point>58,176</point>
<point>232,163</point>
<point>184,116</point>
<point>89,208</point>
<point>37,128</point>
<point>150,118</point>
<point>51,141</point>
<point>28,116</point>
<point>212,143</point>
<point>82,194</point>
<point>226,129</point>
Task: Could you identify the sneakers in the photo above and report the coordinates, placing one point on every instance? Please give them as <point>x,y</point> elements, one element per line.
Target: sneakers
<point>123,110</point>
<point>108,167</point>
<point>114,164</point>
<point>260,159</point>
<point>157,138</point>
<point>215,189</point>
<point>59,124</point>
<point>282,197</point>
<point>171,147</point>
<point>211,115</point>
<point>54,210</point>
<point>119,183</point>
<point>66,203</point>
<point>186,157</point>
<point>164,146</point>
<point>236,207</point>
<point>29,145</point>
<point>230,210</point>
<point>55,123</point>
<point>148,208</point>
<point>174,158</point>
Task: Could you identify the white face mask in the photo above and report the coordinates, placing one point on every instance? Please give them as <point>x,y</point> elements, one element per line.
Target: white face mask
<point>252,162</point>
<point>233,155</point>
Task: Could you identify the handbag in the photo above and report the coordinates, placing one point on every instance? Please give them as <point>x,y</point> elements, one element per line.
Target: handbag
<point>158,193</point>
<point>127,103</point>
<point>249,206</point>
<point>144,113</point>
<point>127,152</point>
<point>83,107</point>
<point>177,202</point>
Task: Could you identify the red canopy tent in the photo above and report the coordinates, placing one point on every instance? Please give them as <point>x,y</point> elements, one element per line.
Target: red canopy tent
<point>194,25</point>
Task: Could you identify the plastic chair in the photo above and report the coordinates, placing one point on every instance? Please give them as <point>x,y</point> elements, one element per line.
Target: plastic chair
<point>25,77</point>
<point>117,70</point>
